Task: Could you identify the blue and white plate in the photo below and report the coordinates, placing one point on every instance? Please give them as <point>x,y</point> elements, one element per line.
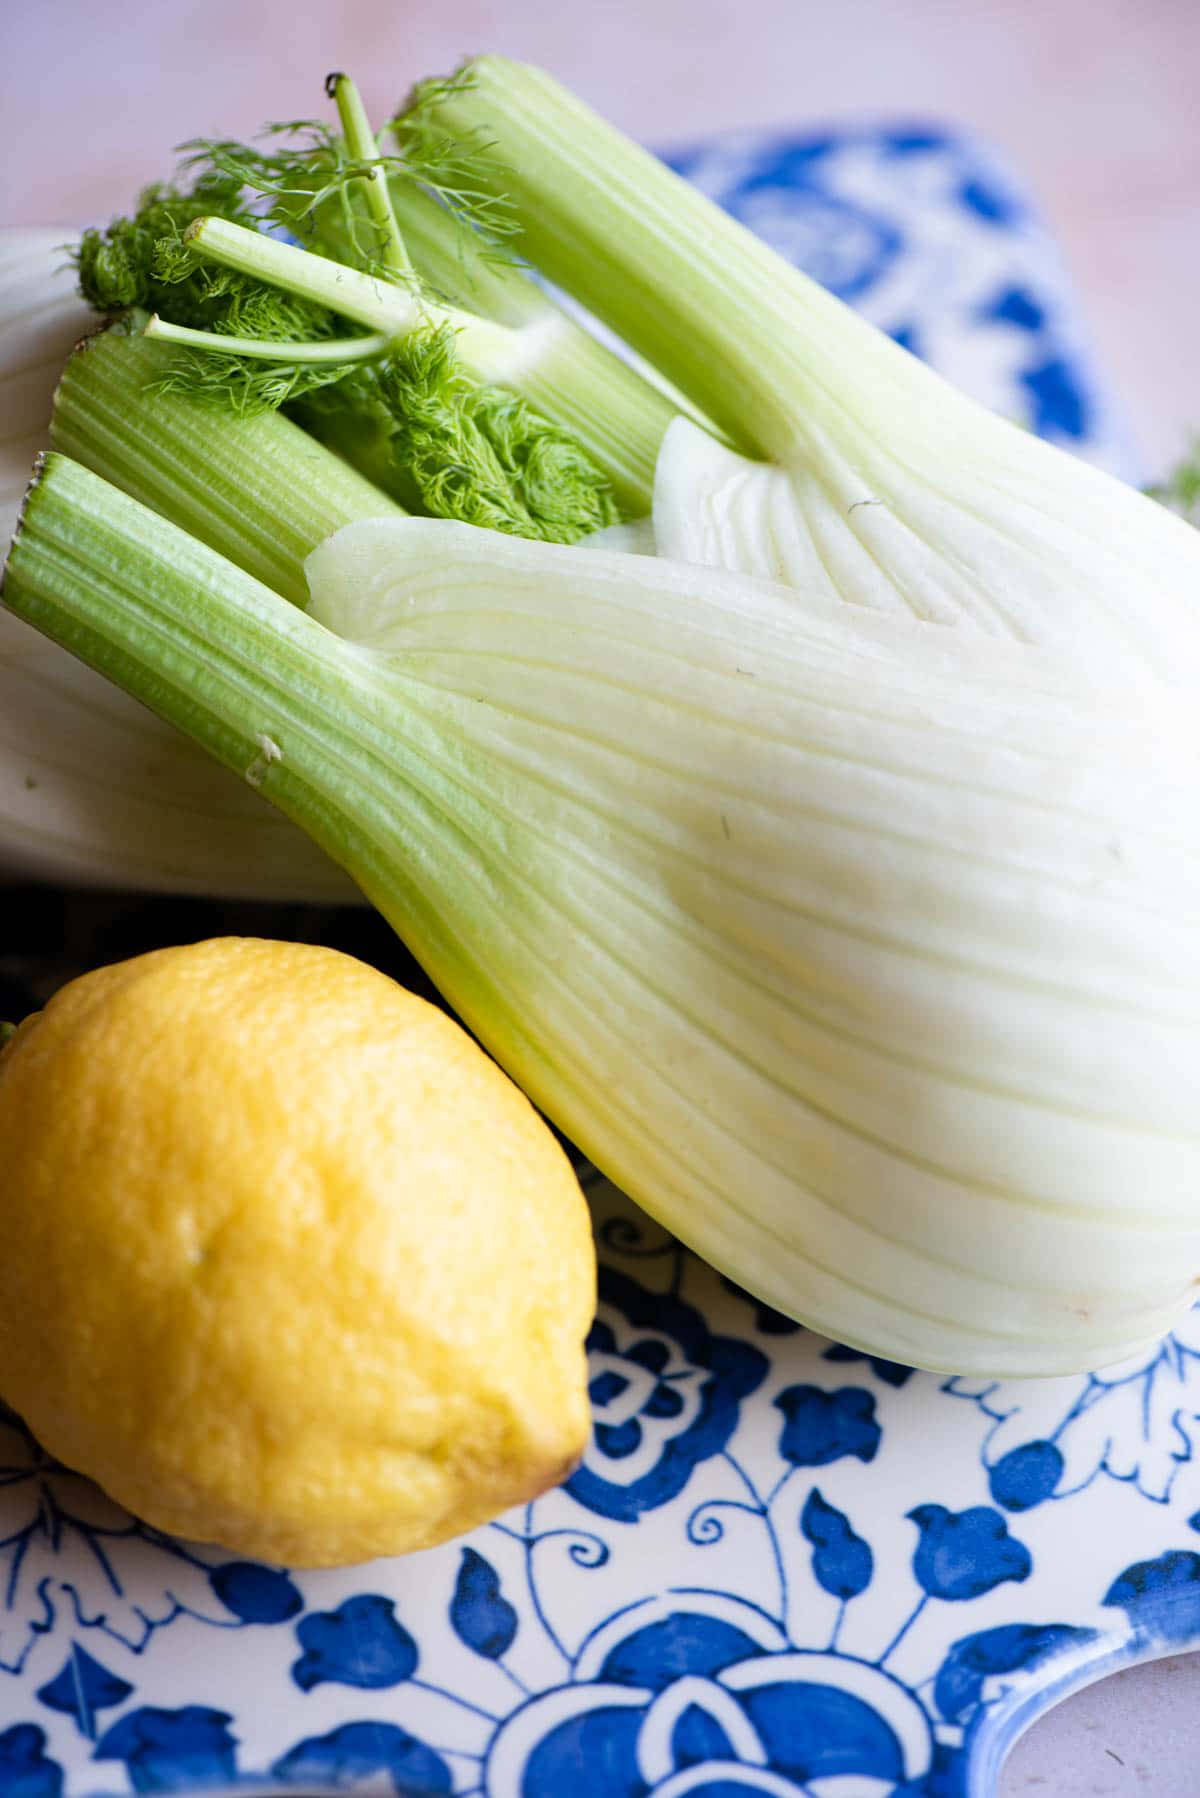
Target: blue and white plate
<point>783,1568</point>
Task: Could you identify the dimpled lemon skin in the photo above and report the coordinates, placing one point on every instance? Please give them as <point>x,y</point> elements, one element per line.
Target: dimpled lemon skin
<point>288,1264</point>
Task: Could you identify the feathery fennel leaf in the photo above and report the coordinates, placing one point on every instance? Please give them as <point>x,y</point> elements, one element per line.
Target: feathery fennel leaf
<point>467,451</point>
<point>408,413</point>
<point>143,263</point>
<point>128,263</point>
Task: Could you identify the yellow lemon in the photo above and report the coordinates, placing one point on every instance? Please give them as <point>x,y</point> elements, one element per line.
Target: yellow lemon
<point>288,1263</point>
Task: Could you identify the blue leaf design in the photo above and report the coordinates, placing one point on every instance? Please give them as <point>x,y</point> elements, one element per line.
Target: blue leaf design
<point>842,1562</point>
<point>616,1440</point>
<point>683,1643</point>
<point>821,1427</point>
<point>356,1751</point>
<point>26,1771</point>
<point>959,1684</point>
<point>359,1644</point>
<point>892,1373</point>
<point>1026,1475</point>
<point>766,1318</point>
<point>728,1369</point>
<point>82,1688</point>
<point>1162,1595</point>
<point>255,1593</point>
<point>908,336</point>
<point>480,1617</point>
<point>990,202</point>
<point>1015,306</point>
<point>1060,404</point>
<point>917,141</point>
<point>963,1554</point>
<point>172,1751</point>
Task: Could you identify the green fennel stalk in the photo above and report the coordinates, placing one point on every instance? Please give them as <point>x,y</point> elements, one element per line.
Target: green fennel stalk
<point>259,490</point>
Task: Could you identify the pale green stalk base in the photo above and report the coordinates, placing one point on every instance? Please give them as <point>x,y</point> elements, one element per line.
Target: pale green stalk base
<point>258,490</point>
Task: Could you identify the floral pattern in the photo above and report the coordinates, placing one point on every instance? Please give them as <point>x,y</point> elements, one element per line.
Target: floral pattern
<point>665,1396</point>
<point>1138,1423</point>
<point>804,1566</point>
<point>784,1567</point>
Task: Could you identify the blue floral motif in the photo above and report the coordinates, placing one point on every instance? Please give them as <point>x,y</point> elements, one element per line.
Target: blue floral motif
<point>963,1554</point>
<point>990,201</point>
<point>972,1659</point>
<point>52,1518</point>
<point>360,1644</point>
<point>479,1615</point>
<point>1015,306</point>
<point>1060,404</point>
<point>359,1751</point>
<point>842,1561</point>
<point>1026,1476</point>
<point>786,197</point>
<point>892,1373</point>
<point>821,1427</point>
<point>665,1396</point>
<point>172,1751</point>
<point>1138,1424</point>
<point>766,1319</point>
<point>83,1688</point>
<point>689,1689</point>
<point>255,1593</point>
<point>26,1771</point>
<point>1161,1596</point>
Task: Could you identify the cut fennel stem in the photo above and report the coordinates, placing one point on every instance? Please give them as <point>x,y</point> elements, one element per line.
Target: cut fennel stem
<point>877,483</point>
<point>864,954</point>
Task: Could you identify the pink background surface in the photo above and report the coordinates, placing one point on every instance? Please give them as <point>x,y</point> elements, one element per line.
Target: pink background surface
<point>1093,101</point>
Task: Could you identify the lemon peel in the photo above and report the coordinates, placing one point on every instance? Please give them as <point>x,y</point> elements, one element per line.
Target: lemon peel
<point>290,1265</point>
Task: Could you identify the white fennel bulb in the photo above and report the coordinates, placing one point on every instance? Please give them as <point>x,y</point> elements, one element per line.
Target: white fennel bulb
<point>863,953</point>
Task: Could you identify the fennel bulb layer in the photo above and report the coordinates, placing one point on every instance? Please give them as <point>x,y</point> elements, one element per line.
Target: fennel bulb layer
<point>864,954</point>
<point>94,789</point>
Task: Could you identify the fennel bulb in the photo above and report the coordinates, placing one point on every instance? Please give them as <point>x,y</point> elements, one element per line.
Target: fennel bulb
<point>863,953</point>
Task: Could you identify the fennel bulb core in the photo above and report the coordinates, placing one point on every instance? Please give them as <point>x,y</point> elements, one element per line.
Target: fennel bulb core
<point>985,528</point>
<point>865,955</point>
